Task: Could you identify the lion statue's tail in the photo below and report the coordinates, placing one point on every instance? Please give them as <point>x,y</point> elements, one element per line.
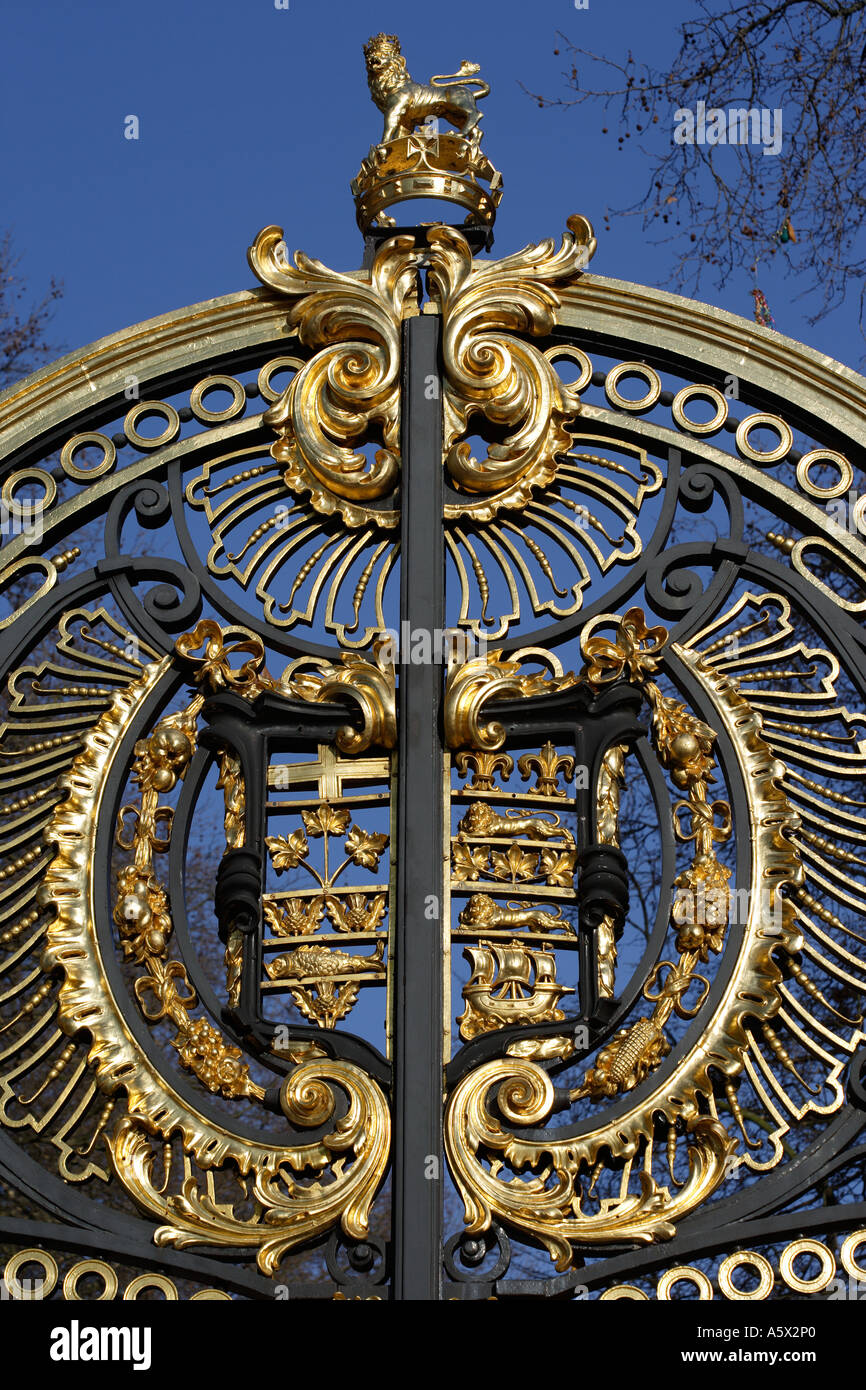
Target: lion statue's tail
<point>464,76</point>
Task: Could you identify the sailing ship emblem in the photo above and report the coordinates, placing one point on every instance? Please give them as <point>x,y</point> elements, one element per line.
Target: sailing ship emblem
<point>510,983</point>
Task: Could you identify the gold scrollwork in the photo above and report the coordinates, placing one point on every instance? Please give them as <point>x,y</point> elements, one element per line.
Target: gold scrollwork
<point>285,1213</point>
<point>144,920</point>
<point>473,684</point>
<point>351,384</point>
<point>685,747</point>
<point>551,1212</point>
<point>231,784</point>
<point>607,799</point>
<point>490,372</point>
<point>50,566</point>
<point>369,683</point>
<point>549,1205</point>
<point>214,669</point>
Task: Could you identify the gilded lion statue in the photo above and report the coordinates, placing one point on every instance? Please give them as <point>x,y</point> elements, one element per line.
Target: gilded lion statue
<point>406,104</point>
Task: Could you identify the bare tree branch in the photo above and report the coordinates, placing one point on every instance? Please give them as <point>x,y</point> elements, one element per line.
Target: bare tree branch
<point>724,205</point>
<point>23,346</point>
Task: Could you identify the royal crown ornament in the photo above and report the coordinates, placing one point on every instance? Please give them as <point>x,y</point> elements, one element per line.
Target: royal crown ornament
<point>414,159</point>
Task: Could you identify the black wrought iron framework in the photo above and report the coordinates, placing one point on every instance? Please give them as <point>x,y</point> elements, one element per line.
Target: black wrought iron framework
<point>141,562</point>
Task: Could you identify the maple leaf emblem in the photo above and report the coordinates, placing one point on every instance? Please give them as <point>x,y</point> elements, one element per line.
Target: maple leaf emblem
<point>365,847</point>
<point>513,863</point>
<point>325,820</point>
<point>558,868</point>
<point>469,862</point>
<point>287,852</point>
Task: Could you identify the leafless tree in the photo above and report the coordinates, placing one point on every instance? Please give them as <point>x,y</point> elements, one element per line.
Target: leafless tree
<point>23,346</point>
<point>724,206</point>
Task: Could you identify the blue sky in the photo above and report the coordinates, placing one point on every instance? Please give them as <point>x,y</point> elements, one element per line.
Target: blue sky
<point>251,114</point>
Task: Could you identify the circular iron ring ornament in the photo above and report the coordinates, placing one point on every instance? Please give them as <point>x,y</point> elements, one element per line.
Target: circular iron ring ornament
<point>746,1259</point>
<point>764,456</point>
<point>646,374</point>
<point>818,1281</point>
<point>848,1255</point>
<point>270,369</point>
<point>81,1271</point>
<point>12,504</point>
<point>700,393</point>
<point>44,1285</point>
<point>87,441</point>
<point>684,1274</point>
<point>821,458</point>
<point>144,410</point>
<point>567,352</point>
<point>151,1281</point>
<point>217,383</point>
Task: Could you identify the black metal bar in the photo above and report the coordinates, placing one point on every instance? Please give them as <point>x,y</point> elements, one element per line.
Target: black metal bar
<point>274,723</point>
<point>417,1225</point>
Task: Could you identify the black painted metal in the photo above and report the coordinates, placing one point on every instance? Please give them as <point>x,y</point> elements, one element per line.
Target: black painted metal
<point>590,725</point>
<point>292,643</point>
<point>272,724</point>
<point>480,238</point>
<point>158,596</point>
<point>417,1215</point>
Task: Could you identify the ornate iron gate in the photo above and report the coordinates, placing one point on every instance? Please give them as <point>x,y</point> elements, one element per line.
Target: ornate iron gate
<point>429,875</point>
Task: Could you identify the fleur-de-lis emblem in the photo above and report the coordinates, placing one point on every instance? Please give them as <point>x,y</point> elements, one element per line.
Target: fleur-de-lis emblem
<point>483,767</point>
<point>548,765</point>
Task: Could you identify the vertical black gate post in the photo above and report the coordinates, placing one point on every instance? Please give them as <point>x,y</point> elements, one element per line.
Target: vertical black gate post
<point>417,1226</point>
